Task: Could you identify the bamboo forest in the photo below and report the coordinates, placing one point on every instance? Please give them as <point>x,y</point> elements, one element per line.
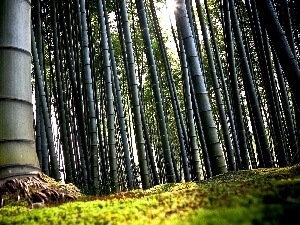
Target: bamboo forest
<point>104,99</point>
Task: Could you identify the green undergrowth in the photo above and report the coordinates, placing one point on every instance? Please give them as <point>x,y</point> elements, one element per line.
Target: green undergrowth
<point>261,196</point>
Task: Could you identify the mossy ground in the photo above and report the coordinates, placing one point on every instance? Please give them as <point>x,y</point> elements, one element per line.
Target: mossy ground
<point>262,196</point>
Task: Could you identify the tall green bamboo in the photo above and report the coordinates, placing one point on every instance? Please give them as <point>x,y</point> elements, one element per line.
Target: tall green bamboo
<point>38,139</point>
<point>284,7</point>
<point>61,105</point>
<point>204,149</point>
<point>118,100</point>
<point>235,89</point>
<point>88,83</point>
<point>45,154</point>
<point>181,129</point>
<point>215,152</point>
<point>249,84</point>
<point>134,96</point>
<point>46,127</point>
<point>217,91</point>
<point>109,100</point>
<point>282,48</point>
<point>70,56</point>
<point>225,88</point>
<point>156,92</point>
<point>287,111</point>
<point>45,111</point>
<point>262,46</point>
<point>193,142</point>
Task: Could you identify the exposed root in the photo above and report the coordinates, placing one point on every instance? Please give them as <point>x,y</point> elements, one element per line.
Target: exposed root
<point>37,191</point>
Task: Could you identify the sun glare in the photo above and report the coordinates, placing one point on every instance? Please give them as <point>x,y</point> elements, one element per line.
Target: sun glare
<point>171,4</point>
<point>171,7</point>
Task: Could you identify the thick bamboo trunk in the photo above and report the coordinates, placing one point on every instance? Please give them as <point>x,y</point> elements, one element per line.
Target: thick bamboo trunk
<point>17,147</point>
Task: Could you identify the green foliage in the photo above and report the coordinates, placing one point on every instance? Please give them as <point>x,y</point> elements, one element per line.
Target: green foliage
<point>261,196</point>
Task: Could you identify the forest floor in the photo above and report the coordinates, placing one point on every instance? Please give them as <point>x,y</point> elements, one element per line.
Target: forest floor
<point>260,196</point>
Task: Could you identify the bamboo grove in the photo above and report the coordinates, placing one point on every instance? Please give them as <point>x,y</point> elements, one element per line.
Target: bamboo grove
<point>130,95</point>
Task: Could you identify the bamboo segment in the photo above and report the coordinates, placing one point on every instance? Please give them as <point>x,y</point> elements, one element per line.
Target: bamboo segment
<point>17,149</point>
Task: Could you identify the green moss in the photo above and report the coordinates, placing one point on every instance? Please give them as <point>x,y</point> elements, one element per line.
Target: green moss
<point>262,196</point>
